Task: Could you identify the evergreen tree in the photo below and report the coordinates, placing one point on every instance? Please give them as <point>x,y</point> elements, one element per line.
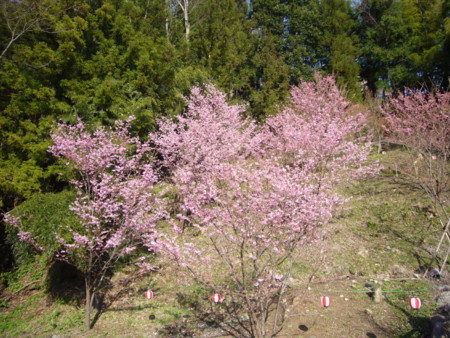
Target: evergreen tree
<point>30,70</point>
<point>269,77</point>
<point>296,27</point>
<point>239,57</point>
<point>124,65</point>
<point>429,55</point>
<point>100,61</point>
<point>384,33</point>
<point>270,16</point>
<point>404,44</point>
<point>341,44</point>
<point>303,49</point>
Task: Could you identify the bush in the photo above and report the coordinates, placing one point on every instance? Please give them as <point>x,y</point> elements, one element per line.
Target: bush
<point>40,216</point>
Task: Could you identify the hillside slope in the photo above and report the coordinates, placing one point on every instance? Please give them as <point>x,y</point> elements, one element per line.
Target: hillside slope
<point>384,238</point>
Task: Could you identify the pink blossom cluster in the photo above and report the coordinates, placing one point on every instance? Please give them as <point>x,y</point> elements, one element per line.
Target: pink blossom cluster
<point>204,137</point>
<point>255,193</point>
<point>421,122</point>
<point>316,133</point>
<point>115,182</point>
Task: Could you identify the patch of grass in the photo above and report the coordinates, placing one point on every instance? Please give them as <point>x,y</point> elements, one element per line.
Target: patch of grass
<point>33,316</point>
<point>28,272</point>
<point>407,322</point>
<point>170,314</point>
<point>21,319</point>
<point>392,223</point>
<point>68,319</point>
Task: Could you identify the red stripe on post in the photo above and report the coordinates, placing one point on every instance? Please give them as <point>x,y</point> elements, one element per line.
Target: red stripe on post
<point>148,294</point>
<point>216,298</point>
<point>325,301</point>
<point>415,303</point>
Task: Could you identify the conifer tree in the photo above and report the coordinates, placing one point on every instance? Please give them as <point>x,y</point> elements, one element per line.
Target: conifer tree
<point>341,45</point>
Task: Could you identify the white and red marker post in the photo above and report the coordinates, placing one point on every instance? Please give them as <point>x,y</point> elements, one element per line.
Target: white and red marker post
<point>326,301</point>
<point>415,303</point>
<point>149,294</point>
<point>216,298</point>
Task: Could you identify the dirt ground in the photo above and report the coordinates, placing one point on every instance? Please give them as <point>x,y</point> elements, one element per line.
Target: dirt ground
<point>349,314</point>
<point>352,313</point>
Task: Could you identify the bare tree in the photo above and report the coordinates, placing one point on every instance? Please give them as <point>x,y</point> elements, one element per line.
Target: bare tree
<point>420,122</point>
<point>186,7</point>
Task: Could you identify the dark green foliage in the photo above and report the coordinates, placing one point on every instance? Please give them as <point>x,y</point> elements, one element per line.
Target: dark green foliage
<point>303,35</point>
<point>270,16</point>
<point>40,216</point>
<point>342,46</point>
<point>297,28</point>
<point>220,44</point>
<point>268,78</point>
<point>404,44</point>
<point>124,64</point>
<point>96,60</point>
<point>233,52</point>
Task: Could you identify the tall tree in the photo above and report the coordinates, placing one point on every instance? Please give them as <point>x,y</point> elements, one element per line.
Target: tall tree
<point>116,206</point>
<point>269,77</point>
<point>270,16</point>
<point>30,71</point>
<point>303,49</point>
<point>255,196</point>
<point>404,44</point>
<point>341,44</point>
<point>384,32</point>
<point>297,27</point>
<point>238,56</point>
<point>125,64</point>
<point>100,61</point>
<point>429,54</point>
<point>219,40</point>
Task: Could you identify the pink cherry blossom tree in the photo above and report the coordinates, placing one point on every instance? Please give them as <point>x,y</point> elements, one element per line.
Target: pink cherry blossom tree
<point>116,203</point>
<point>256,194</point>
<point>420,122</point>
<point>317,132</point>
<point>210,132</point>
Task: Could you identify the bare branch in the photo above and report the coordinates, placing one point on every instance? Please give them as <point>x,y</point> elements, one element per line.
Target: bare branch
<point>24,17</point>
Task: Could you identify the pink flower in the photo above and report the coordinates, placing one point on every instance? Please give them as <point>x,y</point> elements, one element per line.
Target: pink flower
<point>24,236</point>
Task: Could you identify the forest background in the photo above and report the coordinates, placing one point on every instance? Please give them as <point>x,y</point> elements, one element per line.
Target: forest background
<point>105,60</point>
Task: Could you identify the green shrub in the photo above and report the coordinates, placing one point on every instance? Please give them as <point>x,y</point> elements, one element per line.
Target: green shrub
<point>40,216</point>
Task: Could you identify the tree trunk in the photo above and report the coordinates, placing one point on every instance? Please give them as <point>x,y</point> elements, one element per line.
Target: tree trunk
<point>167,30</point>
<point>187,25</point>
<point>87,319</point>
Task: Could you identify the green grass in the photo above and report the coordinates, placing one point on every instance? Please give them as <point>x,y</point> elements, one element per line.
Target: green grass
<point>409,322</point>
<point>34,317</point>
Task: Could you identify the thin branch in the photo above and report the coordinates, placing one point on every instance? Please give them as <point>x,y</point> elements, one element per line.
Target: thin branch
<point>27,285</point>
